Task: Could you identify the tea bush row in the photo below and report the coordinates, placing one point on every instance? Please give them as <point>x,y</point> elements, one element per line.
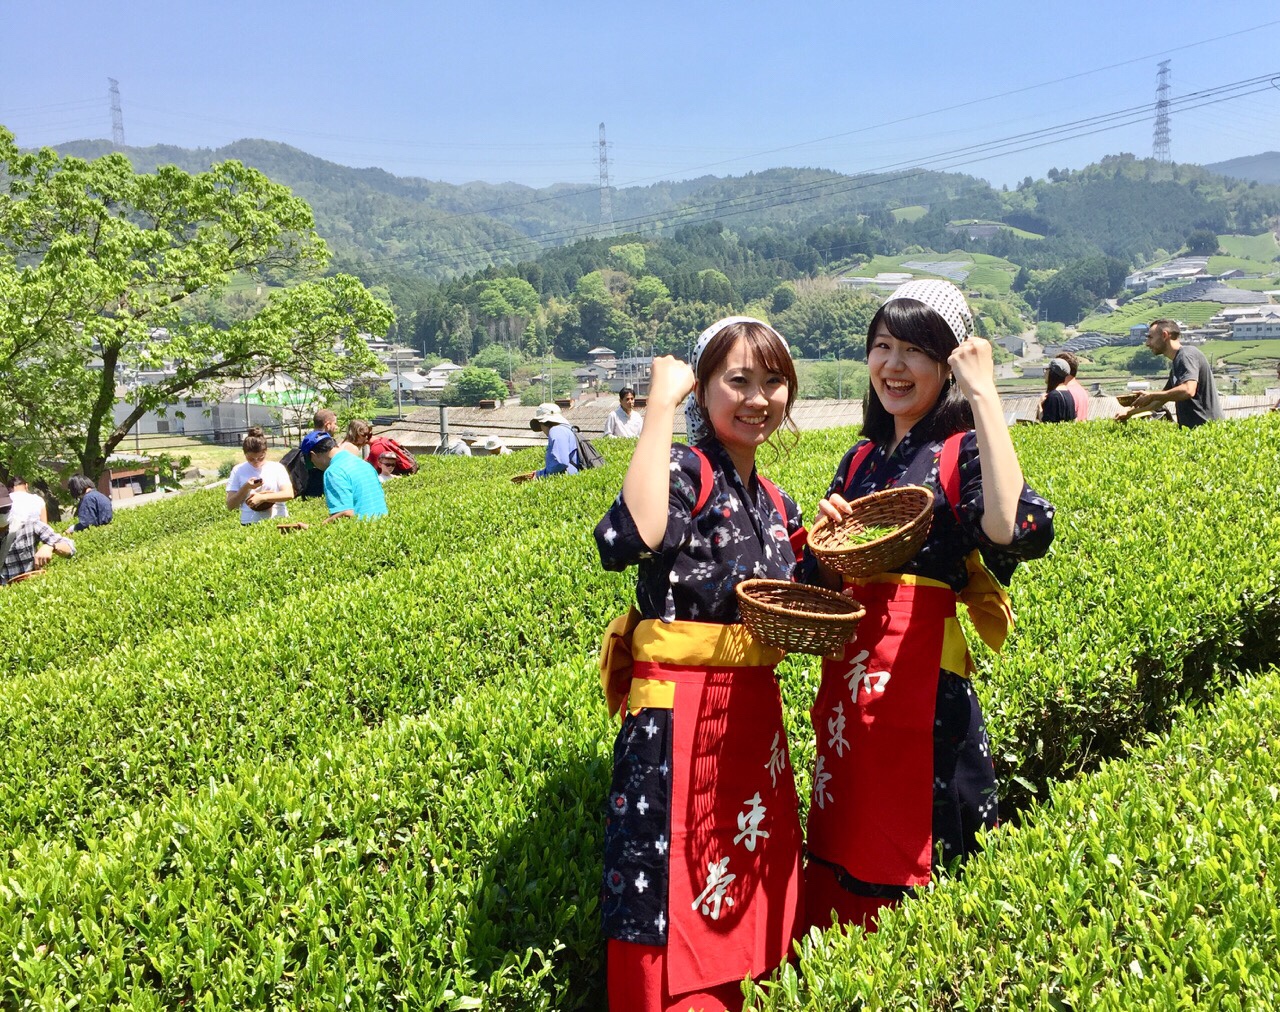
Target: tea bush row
<point>1149,884</point>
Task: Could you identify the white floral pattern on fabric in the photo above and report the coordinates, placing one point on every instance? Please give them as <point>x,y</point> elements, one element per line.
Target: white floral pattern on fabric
<point>736,535</point>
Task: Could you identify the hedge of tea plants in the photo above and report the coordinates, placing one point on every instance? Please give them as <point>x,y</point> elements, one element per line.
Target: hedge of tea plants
<point>364,764</point>
<point>1147,885</point>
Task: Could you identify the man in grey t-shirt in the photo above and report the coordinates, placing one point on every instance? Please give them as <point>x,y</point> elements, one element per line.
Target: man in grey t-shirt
<point>1189,388</point>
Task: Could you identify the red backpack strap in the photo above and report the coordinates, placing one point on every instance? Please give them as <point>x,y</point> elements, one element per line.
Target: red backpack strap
<point>859,455</point>
<point>707,479</point>
<point>800,535</point>
<point>949,471</point>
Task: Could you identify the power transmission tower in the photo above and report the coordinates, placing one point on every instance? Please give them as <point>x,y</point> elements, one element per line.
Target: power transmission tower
<point>117,117</point>
<point>1160,139</point>
<point>606,201</point>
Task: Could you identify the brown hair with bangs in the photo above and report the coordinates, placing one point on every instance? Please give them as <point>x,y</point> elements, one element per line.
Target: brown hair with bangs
<point>766,347</point>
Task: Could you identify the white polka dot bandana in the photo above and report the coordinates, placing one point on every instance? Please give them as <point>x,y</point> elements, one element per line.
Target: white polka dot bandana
<point>695,421</point>
<point>943,298</point>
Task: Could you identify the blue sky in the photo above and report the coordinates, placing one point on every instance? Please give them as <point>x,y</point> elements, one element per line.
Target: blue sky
<point>502,91</point>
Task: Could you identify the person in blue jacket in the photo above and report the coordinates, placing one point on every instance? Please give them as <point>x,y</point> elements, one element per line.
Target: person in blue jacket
<point>562,441</point>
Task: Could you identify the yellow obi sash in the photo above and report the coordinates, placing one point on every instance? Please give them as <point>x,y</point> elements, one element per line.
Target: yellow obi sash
<point>629,639</point>
<point>988,604</point>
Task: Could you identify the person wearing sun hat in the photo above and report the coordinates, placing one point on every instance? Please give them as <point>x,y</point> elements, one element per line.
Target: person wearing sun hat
<point>903,775</point>
<point>494,446</point>
<point>562,442</point>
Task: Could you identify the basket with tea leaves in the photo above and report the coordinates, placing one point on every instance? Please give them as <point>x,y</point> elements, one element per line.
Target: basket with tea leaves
<point>882,531</point>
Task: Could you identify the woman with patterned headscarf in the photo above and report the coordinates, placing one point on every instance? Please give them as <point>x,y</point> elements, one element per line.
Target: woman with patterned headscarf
<point>903,777</point>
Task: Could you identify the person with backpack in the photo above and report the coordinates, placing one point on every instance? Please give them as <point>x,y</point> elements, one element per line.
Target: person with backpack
<point>258,488</point>
<point>702,835</point>
<point>311,485</point>
<point>404,462</point>
<point>903,777</point>
<point>562,455</point>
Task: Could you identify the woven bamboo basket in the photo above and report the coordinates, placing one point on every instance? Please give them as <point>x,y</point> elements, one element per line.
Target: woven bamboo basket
<point>798,618</point>
<point>908,509</point>
<point>1126,400</point>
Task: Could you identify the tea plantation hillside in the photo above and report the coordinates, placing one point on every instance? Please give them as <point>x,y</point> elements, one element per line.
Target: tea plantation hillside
<point>364,765</point>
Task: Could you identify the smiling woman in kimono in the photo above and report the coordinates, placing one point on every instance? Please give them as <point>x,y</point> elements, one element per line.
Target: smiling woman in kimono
<point>702,838</point>
<point>903,775</point>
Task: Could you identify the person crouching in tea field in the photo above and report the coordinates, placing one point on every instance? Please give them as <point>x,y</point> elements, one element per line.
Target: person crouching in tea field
<point>702,840</point>
<point>351,486</point>
<point>903,775</point>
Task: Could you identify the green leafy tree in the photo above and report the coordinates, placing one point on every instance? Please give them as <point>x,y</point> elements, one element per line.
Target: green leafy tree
<point>99,269</point>
<point>1203,242</point>
<point>502,360</point>
<point>629,257</point>
<point>1048,332</point>
<point>505,306</point>
<point>1074,290</point>
<point>716,288</point>
<point>598,319</point>
<point>829,324</point>
<point>1144,362</point>
<point>842,380</point>
<point>473,384</point>
<point>678,332</point>
<point>993,318</point>
<point>648,294</point>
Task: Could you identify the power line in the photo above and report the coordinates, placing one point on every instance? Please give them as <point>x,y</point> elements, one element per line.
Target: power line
<point>635,182</point>
<point>830,184</point>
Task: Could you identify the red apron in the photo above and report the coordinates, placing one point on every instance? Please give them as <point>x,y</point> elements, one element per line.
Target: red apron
<point>735,855</point>
<point>872,806</point>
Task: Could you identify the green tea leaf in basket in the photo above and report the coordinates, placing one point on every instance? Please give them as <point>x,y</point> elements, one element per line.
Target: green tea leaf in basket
<point>864,535</point>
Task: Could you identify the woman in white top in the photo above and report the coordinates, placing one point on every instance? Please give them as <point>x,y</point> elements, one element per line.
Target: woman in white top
<point>259,488</point>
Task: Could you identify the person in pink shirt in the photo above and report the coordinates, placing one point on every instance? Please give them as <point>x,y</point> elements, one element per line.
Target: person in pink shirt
<point>1075,388</point>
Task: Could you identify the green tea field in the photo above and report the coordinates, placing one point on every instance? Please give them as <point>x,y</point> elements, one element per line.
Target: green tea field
<point>364,765</point>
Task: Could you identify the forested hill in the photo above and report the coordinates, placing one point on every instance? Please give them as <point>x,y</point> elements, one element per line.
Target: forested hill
<point>751,232</point>
<point>373,219</point>
<point>1263,168</point>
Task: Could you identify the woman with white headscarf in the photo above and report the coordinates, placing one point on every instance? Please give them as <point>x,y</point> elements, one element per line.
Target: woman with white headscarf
<point>903,775</point>
<point>702,838</point>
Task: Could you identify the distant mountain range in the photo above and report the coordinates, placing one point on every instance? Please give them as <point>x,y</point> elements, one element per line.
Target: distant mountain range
<point>438,229</point>
<point>404,231</point>
<point>1263,168</point>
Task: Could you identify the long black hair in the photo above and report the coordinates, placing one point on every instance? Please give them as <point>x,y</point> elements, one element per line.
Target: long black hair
<point>915,323</point>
